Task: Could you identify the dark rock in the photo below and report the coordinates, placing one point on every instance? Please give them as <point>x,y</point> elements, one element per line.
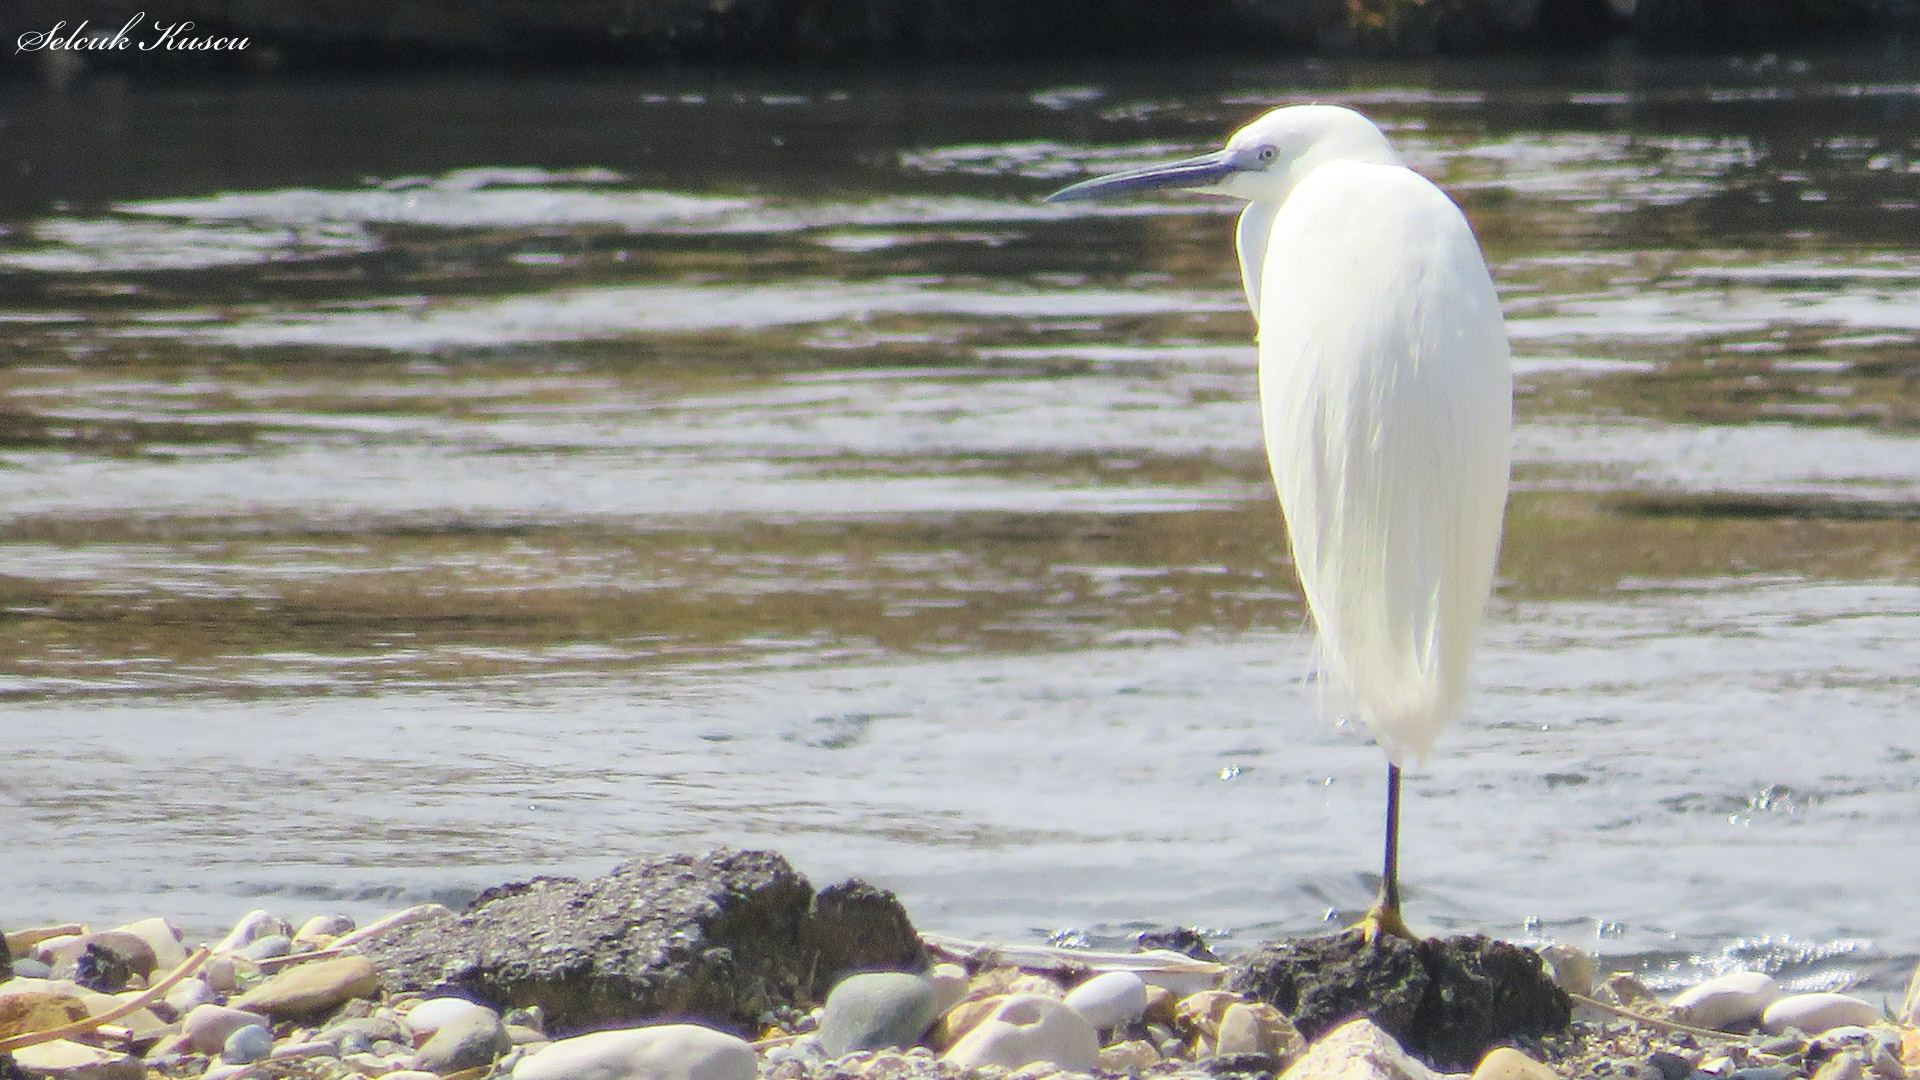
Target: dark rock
<point>718,938</point>
<point>1181,939</point>
<point>6,961</point>
<point>101,969</point>
<point>1241,1065</point>
<point>1669,1066</point>
<point>8,1070</point>
<point>1323,982</point>
<point>1448,1000</point>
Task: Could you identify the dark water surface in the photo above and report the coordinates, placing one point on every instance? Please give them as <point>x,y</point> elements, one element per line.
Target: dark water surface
<point>412,485</point>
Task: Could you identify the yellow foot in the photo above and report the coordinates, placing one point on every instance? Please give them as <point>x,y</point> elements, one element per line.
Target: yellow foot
<point>1383,920</point>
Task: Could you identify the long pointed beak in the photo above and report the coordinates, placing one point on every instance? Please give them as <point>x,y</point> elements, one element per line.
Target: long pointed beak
<point>1205,170</point>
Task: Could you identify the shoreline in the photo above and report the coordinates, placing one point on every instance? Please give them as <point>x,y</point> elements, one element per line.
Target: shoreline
<point>727,947</point>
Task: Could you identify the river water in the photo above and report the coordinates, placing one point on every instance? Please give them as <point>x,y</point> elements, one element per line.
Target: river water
<point>413,485</point>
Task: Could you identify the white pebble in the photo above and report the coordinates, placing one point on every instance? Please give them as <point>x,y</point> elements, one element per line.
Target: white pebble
<point>432,1014</point>
<point>1110,1000</point>
<point>665,1052</point>
<point>1817,1013</point>
<point>1027,1028</point>
<point>1730,999</point>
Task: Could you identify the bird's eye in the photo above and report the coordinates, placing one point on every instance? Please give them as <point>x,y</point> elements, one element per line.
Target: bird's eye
<point>1267,154</point>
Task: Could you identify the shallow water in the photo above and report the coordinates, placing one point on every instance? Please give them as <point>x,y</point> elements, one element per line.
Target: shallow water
<point>415,484</point>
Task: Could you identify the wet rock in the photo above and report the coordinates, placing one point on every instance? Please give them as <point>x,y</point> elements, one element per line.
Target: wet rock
<point>471,1040</point>
<point>1183,939</point>
<point>63,1059</point>
<point>1815,1013</point>
<point>1109,1000</point>
<point>1449,1000</point>
<point>723,936</point>
<point>38,1010</point>
<point>877,1009</point>
<point>667,1052</point>
<point>1736,998</point>
<point>311,988</point>
<point>247,1045</point>
<point>1027,1028</point>
<point>1359,1050</point>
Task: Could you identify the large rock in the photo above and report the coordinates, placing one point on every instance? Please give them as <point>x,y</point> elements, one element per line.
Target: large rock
<point>720,937</point>
<point>65,1060</point>
<point>38,1010</point>
<point>1448,1000</point>
<point>310,989</point>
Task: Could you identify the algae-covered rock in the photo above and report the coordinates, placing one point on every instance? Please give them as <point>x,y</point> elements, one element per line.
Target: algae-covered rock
<point>1448,1000</point>
<point>720,937</point>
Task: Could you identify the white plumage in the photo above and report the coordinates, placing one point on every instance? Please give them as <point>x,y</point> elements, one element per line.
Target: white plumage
<point>1386,400</point>
<point>1386,403</point>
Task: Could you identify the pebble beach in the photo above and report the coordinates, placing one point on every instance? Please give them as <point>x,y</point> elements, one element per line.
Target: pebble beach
<point>279,998</point>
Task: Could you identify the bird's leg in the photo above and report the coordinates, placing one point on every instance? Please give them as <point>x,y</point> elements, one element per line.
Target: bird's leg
<point>1384,916</point>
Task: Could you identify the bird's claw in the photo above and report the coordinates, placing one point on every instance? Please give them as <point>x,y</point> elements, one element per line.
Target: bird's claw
<point>1383,920</point>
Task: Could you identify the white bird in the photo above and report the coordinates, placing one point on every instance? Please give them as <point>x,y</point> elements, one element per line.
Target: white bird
<point>1386,399</point>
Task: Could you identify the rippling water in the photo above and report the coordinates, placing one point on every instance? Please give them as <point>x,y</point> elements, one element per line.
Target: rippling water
<point>411,485</point>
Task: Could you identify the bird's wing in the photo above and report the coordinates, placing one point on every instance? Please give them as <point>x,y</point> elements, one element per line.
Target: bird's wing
<point>1386,399</point>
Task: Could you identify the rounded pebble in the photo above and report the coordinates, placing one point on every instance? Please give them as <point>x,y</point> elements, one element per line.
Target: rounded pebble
<point>1815,1014</point>
<point>1111,1000</point>
<point>267,947</point>
<point>877,1009</point>
<point>1028,1028</point>
<point>247,1045</point>
<point>1737,998</point>
<point>432,1014</point>
<point>665,1052</point>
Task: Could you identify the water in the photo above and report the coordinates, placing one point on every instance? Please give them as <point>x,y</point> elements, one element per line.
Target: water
<point>413,485</point>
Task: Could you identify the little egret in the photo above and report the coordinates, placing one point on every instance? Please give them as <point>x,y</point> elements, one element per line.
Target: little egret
<point>1386,399</point>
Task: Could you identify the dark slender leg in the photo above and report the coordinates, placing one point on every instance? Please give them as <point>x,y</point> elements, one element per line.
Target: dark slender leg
<point>1390,875</point>
<point>1384,916</point>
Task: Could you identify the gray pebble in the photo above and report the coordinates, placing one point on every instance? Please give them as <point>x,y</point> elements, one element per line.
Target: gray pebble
<point>877,1009</point>
<point>266,948</point>
<point>247,1045</point>
<point>28,968</point>
<point>355,1042</point>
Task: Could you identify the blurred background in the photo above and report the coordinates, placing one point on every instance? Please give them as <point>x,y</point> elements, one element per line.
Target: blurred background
<point>440,444</point>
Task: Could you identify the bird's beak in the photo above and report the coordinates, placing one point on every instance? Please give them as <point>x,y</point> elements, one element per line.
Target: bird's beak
<point>1194,172</point>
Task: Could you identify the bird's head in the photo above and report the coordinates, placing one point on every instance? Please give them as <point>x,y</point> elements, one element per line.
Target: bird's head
<point>1261,162</point>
